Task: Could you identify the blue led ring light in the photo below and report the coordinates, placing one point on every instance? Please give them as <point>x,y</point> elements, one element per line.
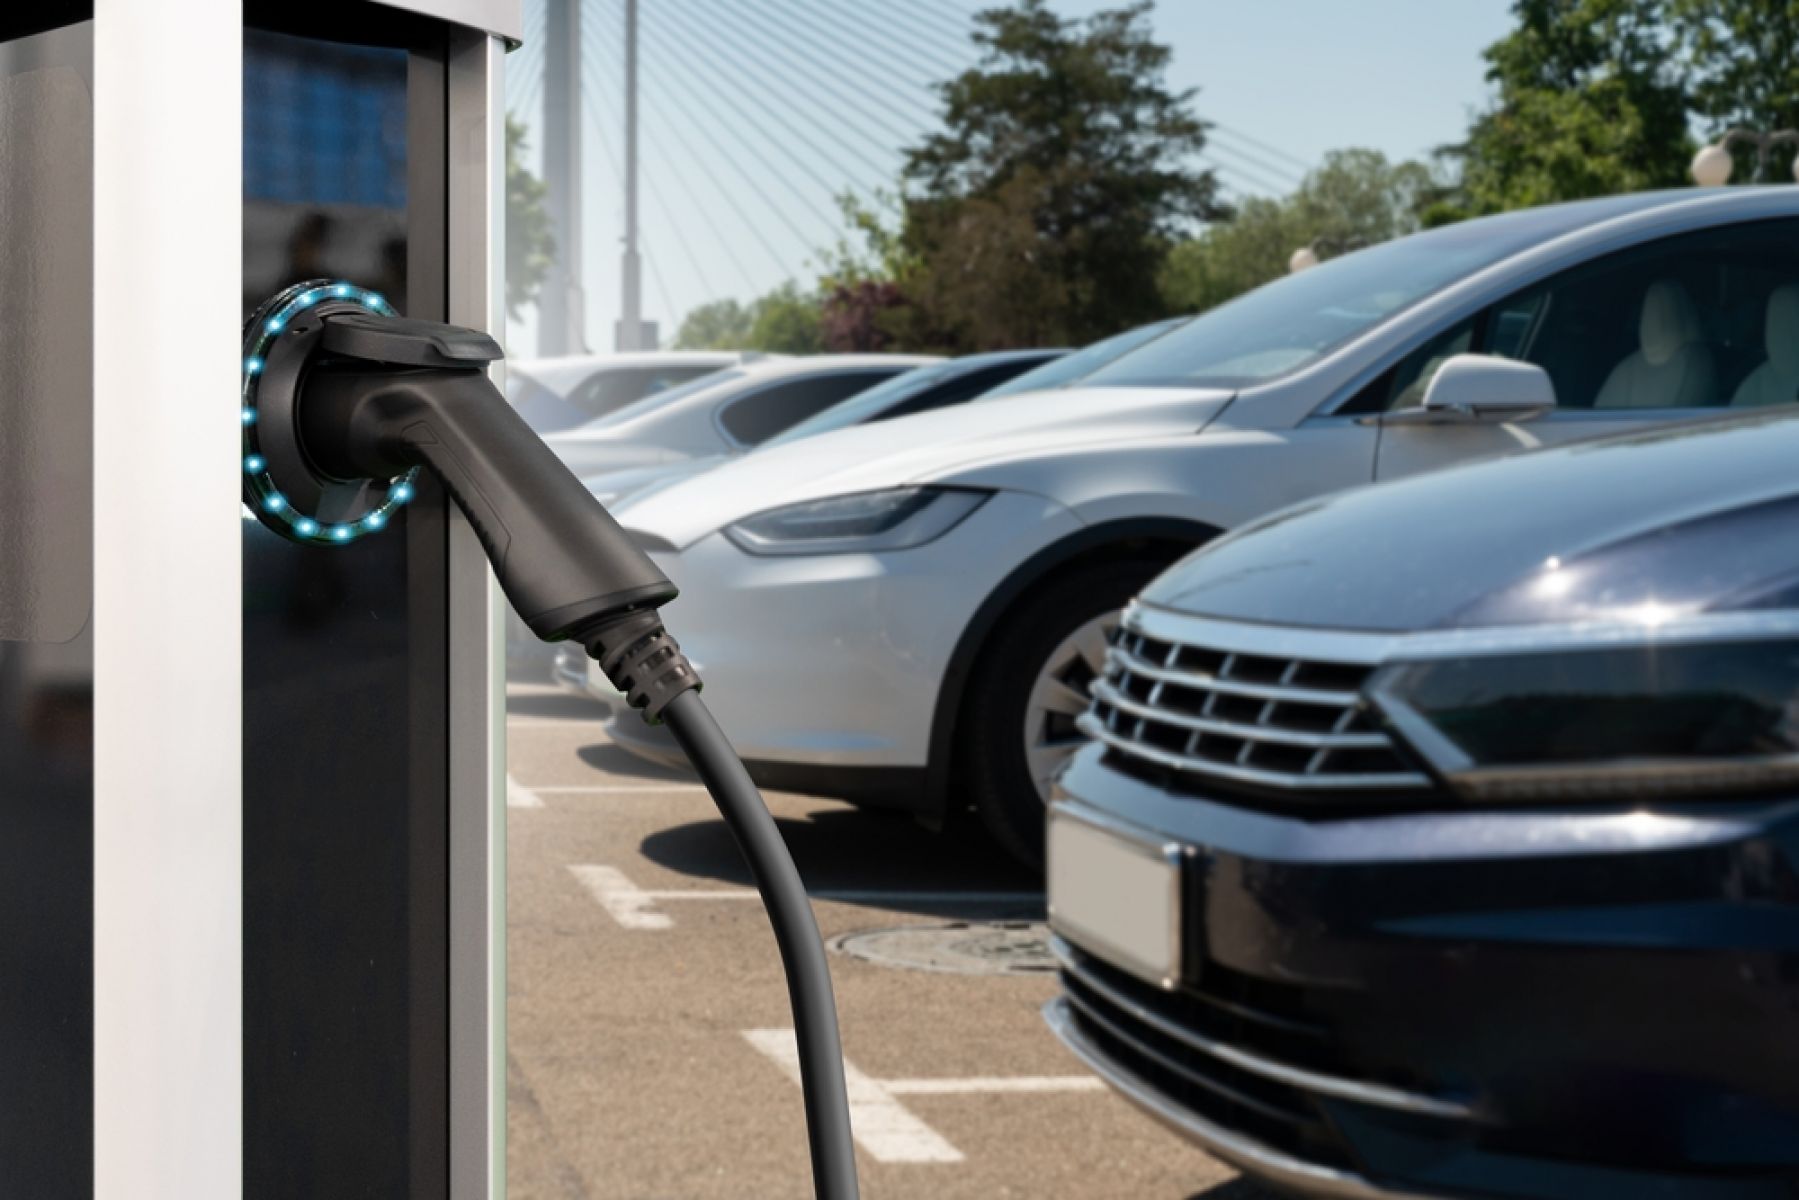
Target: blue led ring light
<point>261,493</point>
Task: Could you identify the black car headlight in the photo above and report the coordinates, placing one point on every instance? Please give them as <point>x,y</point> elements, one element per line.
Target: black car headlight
<point>1643,721</point>
<point>858,523</point>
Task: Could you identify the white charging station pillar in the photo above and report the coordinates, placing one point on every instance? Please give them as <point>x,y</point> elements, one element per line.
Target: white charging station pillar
<point>251,801</point>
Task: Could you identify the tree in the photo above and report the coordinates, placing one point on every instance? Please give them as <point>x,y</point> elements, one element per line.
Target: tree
<point>785,321</point>
<point>855,316</point>
<point>1043,209</point>
<point>1591,102</point>
<point>720,325</point>
<point>1744,56</point>
<point>1356,198</point>
<point>530,240</point>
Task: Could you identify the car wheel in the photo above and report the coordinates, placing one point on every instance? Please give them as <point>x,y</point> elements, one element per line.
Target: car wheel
<point>1019,718</point>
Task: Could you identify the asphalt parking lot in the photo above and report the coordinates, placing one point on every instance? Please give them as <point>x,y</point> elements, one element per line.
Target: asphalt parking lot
<point>648,1023</point>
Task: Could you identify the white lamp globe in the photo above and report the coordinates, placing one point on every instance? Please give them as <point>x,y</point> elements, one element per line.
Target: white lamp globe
<point>1712,166</point>
<point>1303,259</point>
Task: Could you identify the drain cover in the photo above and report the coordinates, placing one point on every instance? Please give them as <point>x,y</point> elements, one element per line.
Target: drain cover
<point>958,947</point>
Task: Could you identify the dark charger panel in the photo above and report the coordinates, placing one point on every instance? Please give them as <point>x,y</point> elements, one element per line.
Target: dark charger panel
<point>345,655</point>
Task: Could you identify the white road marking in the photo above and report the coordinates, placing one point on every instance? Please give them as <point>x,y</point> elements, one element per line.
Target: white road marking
<point>995,1083</point>
<point>635,907</point>
<point>883,1126</point>
<point>887,1129</point>
<point>520,796</point>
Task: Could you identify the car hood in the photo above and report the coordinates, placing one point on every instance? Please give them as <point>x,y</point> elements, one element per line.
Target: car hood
<point>615,487</point>
<point>1694,517</point>
<point>951,446</point>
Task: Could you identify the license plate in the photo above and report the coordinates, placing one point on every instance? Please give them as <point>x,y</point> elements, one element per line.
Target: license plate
<point>1116,896</point>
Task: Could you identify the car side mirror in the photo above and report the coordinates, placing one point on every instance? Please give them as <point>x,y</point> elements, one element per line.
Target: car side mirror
<point>1481,387</point>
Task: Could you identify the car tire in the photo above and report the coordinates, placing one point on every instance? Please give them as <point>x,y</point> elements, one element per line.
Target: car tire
<point>1046,640</point>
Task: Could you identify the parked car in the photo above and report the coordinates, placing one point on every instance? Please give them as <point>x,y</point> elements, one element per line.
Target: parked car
<point>554,394</point>
<point>724,412</point>
<point>922,389</point>
<point>1070,369</point>
<point>965,567</point>
<point>1439,839</point>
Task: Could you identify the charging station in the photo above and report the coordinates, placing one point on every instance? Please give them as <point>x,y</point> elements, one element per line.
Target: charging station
<point>251,791</point>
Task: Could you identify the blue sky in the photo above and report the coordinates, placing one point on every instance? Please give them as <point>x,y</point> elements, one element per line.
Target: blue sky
<point>757,111</point>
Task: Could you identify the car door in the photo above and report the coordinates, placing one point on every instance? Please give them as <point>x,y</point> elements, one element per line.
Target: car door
<point>1674,329</point>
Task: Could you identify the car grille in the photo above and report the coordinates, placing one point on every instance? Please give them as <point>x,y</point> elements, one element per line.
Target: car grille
<point>1295,726</point>
<point>1246,1062</point>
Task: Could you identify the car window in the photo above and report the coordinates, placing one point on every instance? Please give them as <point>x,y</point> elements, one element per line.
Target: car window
<point>649,404</point>
<point>753,419</point>
<point>609,390</point>
<point>1294,321</point>
<point>1072,368</point>
<point>1404,384</point>
<point>1679,323</point>
<point>957,391</point>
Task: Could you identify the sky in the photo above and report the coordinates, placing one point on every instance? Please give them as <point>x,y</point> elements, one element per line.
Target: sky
<point>757,113</point>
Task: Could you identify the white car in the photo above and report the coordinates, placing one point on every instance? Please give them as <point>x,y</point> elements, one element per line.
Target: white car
<point>724,412</point>
<point>553,394</point>
<point>910,613</point>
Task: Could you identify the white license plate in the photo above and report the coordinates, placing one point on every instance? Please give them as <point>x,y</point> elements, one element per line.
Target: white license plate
<point>1116,896</point>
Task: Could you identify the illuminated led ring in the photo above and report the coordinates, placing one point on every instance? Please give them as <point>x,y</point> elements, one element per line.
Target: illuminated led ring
<point>261,491</point>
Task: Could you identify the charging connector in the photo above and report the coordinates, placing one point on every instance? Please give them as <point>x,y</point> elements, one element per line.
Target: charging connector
<point>363,397</point>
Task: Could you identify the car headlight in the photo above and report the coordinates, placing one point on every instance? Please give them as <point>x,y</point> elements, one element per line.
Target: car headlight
<point>858,523</point>
<point>1644,721</point>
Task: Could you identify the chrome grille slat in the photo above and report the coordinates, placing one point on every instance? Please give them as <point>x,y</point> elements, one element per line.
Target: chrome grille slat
<point>1249,775</point>
<point>1230,687</point>
<point>1240,714</point>
<point>1260,732</point>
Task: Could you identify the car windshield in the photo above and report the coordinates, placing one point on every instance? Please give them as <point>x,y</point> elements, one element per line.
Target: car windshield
<point>866,405</point>
<point>1072,368</point>
<point>1292,322</point>
<point>656,400</point>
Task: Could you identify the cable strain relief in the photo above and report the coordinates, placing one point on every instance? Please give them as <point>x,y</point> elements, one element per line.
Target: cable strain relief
<point>641,659</point>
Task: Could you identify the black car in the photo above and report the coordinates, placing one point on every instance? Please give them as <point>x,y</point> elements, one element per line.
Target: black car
<point>1442,838</point>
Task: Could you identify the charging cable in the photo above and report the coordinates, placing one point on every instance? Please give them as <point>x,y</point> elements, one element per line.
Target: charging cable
<point>345,402</point>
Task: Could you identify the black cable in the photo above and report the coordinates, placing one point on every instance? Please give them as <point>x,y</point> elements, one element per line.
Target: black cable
<point>796,933</point>
<point>903,24</point>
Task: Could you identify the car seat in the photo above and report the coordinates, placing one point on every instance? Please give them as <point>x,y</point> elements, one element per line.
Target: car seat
<point>1776,381</point>
<point>1672,366</point>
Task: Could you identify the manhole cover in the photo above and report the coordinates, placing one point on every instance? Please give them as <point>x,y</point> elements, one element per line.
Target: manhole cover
<point>958,947</point>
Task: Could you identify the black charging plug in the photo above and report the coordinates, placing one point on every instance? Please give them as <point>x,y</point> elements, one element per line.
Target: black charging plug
<point>371,397</point>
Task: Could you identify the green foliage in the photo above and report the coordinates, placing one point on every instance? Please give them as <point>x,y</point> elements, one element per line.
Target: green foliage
<point>530,240</point>
<point>785,321</point>
<point>1355,199</point>
<point>720,325</point>
<point>1745,61</point>
<point>1591,102</point>
<point>1042,210</point>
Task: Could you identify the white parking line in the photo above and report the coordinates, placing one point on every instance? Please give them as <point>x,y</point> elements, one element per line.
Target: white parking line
<point>883,1126</point>
<point>520,796</point>
<point>635,908</point>
<point>887,1129</point>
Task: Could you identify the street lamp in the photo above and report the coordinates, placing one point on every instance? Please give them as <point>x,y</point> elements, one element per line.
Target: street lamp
<point>1713,164</point>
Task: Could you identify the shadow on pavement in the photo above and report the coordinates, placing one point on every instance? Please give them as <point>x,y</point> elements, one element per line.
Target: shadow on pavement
<point>553,704</point>
<point>852,850</point>
<point>603,756</point>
